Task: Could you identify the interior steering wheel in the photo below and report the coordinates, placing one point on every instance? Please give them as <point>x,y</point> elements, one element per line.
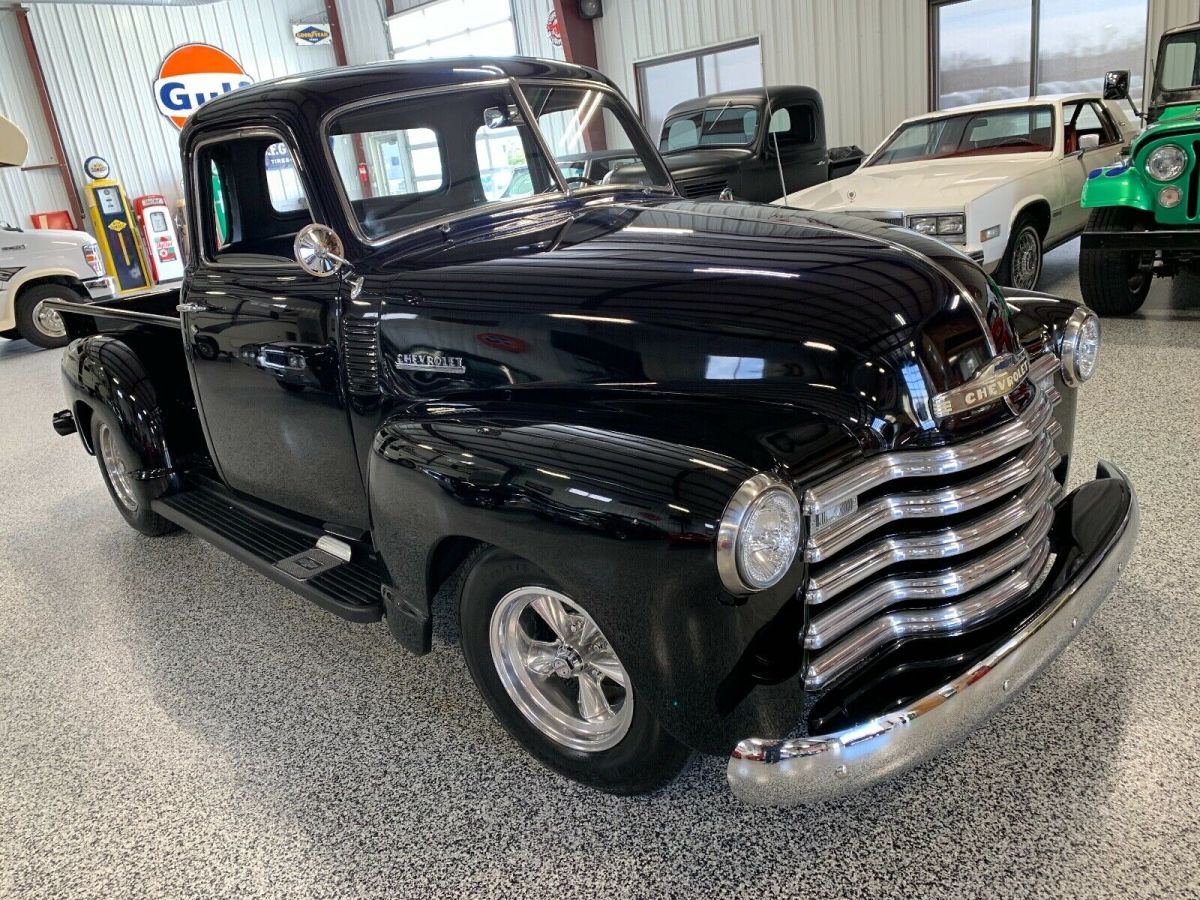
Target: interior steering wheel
<point>582,179</point>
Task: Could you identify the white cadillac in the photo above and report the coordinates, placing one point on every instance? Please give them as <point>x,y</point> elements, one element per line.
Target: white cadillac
<point>1001,180</point>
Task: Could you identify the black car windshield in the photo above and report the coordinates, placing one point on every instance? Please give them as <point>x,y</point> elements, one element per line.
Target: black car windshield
<point>1023,129</point>
<point>406,161</point>
<point>721,126</point>
<point>1179,67</point>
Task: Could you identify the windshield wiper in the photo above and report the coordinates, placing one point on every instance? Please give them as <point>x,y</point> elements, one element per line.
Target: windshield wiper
<point>714,122</point>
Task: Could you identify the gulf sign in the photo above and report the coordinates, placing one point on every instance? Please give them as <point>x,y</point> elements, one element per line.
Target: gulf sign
<point>191,75</point>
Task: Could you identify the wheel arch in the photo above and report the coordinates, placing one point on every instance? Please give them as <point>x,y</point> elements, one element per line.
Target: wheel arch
<point>1039,208</point>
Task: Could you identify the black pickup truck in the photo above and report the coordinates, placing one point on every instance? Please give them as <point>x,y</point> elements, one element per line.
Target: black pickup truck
<point>715,477</point>
<point>757,144</point>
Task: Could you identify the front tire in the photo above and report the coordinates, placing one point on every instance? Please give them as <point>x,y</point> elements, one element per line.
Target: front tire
<point>549,675</point>
<point>1021,266</point>
<point>1113,282</point>
<point>117,464</point>
<point>38,325</point>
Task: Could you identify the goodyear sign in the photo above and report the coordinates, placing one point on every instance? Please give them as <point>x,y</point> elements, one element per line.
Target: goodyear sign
<point>312,33</point>
<point>191,75</point>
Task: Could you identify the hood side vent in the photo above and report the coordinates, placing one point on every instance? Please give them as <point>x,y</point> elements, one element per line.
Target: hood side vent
<point>360,347</point>
<point>701,187</point>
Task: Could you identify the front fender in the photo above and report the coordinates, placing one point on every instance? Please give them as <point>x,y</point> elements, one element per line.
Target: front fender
<point>1117,185</point>
<point>625,522</point>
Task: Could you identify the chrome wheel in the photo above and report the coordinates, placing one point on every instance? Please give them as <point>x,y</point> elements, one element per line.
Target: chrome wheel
<point>47,321</point>
<point>559,669</point>
<point>118,472</point>
<point>1026,265</point>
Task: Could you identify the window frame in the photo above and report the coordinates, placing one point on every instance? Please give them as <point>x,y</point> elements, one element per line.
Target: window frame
<point>1056,125</point>
<point>513,84</point>
<point>201,197</point>
<point>933,35</point>
<point>697,56</point>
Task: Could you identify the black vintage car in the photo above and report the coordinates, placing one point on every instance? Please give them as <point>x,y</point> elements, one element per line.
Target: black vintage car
<point>712,477</point>
<point>759,143</point>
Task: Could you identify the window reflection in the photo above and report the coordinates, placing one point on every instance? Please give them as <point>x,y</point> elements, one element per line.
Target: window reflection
<point>734,368</point>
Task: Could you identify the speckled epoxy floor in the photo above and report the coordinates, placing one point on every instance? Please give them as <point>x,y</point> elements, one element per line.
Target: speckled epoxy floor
<point>174,725</point>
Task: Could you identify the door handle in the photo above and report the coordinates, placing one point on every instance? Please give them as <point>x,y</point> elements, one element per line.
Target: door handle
<point>191,307</point>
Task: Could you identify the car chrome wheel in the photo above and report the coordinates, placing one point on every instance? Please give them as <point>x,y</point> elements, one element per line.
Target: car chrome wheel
<point>118,472</point>
<point>559,669</point>
<point>1026,259</point>
<point>48,321</point>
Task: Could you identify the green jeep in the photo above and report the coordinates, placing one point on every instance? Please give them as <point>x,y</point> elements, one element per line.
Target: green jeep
<point>1145,218</point>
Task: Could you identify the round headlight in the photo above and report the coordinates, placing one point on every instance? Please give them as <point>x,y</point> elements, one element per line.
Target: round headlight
<point>1167,162</point>
<point>1080,346</point>
<point>759,535</point>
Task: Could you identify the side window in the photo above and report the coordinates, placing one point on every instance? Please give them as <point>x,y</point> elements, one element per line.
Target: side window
<point>794,126</point>
<point>252,202</point>
<point>283,181</point>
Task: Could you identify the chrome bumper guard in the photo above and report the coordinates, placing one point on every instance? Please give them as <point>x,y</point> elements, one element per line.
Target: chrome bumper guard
<point>102,288</point>
<point>812,770</point>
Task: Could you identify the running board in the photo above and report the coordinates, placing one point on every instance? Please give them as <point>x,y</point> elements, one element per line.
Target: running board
<point>348,584</point>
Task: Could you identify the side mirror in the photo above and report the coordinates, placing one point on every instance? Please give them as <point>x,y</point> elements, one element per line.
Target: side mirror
<point>1116,85</point>
<point>319,250</point>
<point>1089,142</point>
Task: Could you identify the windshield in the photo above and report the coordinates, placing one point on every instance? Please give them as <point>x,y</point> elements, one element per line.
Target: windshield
<point>1025,129</point>
<point>1179,66</point>
<point>721,126</point>
<point>406,161</point>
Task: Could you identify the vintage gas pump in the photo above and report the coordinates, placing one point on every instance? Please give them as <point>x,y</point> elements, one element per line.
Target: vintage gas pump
<point>115,228</point>
<point>162,243</point>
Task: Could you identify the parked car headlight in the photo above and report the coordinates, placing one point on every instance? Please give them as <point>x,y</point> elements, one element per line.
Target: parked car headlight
<point>759,535</point>
<point>1080,346</point>
<point>1167,162</point>
<point>938,226</point>
<point>91,255</point>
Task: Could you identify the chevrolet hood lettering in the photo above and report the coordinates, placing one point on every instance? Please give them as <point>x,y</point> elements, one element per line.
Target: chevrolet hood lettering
<point>994,381</point>
<point>430,361</point>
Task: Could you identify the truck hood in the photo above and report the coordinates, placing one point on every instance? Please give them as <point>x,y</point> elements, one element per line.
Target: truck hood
<point>689,163</point>
<point>44,236</point>
<point>795,317</point>
<point>942,184</point>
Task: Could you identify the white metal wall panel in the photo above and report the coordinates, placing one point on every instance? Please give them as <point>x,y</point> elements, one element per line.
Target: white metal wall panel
<point>364,30</point>
<point>868,58</point>
<point>101,63</point>
<point>529,19</point>
<point>24,192</point>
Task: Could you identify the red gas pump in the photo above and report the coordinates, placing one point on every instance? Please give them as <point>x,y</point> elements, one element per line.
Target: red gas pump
<point>158,232</point>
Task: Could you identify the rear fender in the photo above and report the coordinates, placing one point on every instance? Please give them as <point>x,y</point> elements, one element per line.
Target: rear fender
<point>104,375</point>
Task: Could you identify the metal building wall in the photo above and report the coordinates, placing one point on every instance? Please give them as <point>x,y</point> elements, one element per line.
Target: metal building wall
<point>101,62</point>
<point>23,192</point>
<point>868,58</point>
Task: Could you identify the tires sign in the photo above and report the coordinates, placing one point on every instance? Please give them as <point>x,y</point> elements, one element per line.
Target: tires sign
<point>191,75</point>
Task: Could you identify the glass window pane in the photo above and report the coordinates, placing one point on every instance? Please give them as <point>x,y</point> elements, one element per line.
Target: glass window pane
<point>663,85</point>
<point>722,126</point>
<point>283,181</point>
<point>984,49</point>
<point>583,127</point>
<point>1179,62</point>
<point>731,70</point>
<point>1080,40</point>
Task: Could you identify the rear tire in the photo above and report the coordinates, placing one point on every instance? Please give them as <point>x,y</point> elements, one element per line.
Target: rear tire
<point>38,325</point>
<point>132,496</point>
<point>1021,266</point>
<point>618,747</point>
<point>1112,281</point>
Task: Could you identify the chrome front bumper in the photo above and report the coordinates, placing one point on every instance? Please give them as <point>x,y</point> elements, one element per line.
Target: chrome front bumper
<point>812,770</point>
<point>101,288</point>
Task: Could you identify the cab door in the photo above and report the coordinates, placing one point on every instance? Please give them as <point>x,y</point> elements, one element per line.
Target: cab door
<point>1090,140</point>
<point>261,336</point>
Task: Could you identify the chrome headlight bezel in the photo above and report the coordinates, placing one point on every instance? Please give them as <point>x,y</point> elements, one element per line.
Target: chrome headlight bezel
<point>731,531</point>
<point>1173,169</point>
<point>1074,340</point>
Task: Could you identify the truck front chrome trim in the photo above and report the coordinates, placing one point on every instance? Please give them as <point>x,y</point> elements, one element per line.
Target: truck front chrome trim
<point>811,770</point>
<point>1032,421</point>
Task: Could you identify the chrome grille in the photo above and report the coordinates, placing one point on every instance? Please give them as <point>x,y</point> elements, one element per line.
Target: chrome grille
<point>961,536</point>
<point>704,186</point>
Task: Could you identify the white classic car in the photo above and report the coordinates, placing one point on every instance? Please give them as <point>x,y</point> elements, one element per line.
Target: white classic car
<point>1001,181</point>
